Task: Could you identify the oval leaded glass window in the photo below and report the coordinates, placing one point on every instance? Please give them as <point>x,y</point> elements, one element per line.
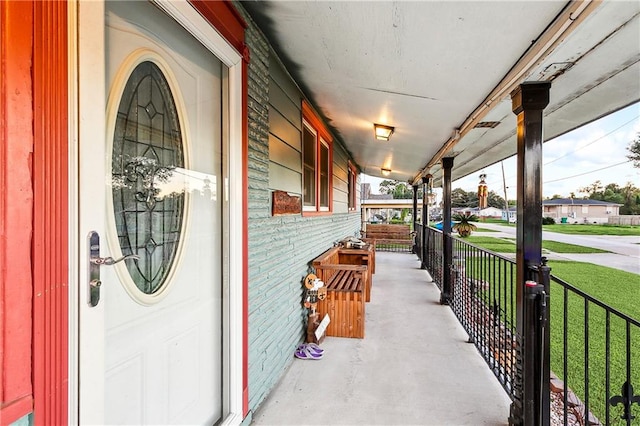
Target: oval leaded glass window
<point>147,149</point>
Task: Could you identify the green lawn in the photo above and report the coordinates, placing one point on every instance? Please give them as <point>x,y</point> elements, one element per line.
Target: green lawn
<point>498,245</point>
<point>507,245</point>
<point>479,229</point>
<point>594,229</point>
<point>618,289</point>
<point>557,247</point>
<point>493,220</point>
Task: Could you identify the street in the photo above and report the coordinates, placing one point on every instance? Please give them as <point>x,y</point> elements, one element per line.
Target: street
<point>625,250</point>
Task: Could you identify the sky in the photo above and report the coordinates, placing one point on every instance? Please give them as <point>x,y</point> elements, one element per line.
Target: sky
<point>596,151</point>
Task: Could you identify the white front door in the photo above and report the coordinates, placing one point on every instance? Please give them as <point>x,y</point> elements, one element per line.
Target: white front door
<point>151,187</point>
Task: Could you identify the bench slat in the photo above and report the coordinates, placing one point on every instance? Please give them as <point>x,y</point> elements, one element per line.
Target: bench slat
<point>344,280</point>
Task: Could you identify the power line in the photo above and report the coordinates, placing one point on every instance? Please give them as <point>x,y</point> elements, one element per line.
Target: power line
<point>584,146</point>
<point>594,141</point>
<point>586,173</point>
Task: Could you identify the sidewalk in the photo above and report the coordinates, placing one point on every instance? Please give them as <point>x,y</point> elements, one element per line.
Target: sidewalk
<point>624,250</point>
<point>414,366</point>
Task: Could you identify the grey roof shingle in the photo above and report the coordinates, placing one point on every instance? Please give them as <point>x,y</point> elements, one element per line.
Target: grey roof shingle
<point>577,202</point>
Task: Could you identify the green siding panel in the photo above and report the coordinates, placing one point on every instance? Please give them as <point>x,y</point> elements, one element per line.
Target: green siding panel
<point>284,179</point>
<point>280,247</point>
<point>285,106</point>
<point>282,79</point>
<point>285,155</point>
<point>284,130</point>
<point>340,185</point>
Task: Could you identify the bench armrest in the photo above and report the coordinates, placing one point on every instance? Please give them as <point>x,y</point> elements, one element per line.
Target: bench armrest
<point>341,267</point>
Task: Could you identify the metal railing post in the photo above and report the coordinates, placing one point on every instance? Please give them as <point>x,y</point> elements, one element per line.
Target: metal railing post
<point>544,280</point>
<point>415,247</point>
<point>447,248</point>
<point>425,223</point>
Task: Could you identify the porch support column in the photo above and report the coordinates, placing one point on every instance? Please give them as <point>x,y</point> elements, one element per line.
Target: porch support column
<point>447,246</point>
<point>425,221</point>
<point>415,213</point>
<point>528,102</point>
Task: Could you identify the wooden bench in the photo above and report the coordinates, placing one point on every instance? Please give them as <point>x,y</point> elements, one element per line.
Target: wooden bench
<point>345,301</point>
<point>346,293</point>
<point>389,236</point>
<point>349,256</point>
<point>364,256</point>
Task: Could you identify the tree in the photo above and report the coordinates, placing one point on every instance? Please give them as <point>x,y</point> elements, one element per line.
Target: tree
<point>399,190</point>
<point>631,197</point>
<point>494,200</point>
<point>462,198</point>
<point>628,196</point>
<point>593,190</point>
<point>387,186</point>
<point>634,151</point>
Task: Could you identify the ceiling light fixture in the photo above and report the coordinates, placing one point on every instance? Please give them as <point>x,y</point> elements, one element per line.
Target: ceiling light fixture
<point>385,172</point>
<point>383,132</point>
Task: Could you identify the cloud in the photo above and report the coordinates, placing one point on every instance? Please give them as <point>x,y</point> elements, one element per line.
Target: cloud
<point>577,159</point>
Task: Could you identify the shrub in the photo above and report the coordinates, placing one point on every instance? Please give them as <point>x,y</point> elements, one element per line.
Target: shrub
<point>548,221</point>
<point>464,225</point>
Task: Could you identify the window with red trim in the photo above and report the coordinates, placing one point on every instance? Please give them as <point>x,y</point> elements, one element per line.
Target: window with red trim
<point>317,155</point>
<point>351,185</point>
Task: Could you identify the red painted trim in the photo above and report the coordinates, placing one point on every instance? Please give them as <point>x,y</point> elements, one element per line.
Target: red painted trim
<point>225,18</point>
<point>50,228</point>
<point>16,206</point>
<point>310,116</point>
<point>16,410</point>
<point>352,174</point>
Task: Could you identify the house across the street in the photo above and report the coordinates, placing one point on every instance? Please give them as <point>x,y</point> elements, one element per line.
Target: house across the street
<point>572,210</point>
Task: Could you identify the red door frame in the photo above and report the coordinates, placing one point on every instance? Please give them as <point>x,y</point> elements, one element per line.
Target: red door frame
<point>50,213</point>
<point>16,206</point>
<point>34,217</point>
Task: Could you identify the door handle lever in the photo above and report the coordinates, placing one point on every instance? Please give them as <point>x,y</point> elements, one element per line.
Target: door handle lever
<point>111,261</point>
<point>95,262</point>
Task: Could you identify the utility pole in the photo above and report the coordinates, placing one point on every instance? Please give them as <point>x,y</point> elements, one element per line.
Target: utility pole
<point>504,187</point>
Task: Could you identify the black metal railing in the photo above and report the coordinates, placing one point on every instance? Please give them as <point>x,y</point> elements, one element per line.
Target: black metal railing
<point>595,349</point>
<point>596,355</point>
<point>483,299</point>
<point>417,246</point>
<point>432,250</point>
<point>394,246</point>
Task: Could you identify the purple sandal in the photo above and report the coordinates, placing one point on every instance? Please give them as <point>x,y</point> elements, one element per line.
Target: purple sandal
<point>311,347</point>
<point>307,354</point>
<point>314,347</point>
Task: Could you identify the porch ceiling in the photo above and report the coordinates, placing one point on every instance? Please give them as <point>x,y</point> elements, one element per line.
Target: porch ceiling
<point>433,70</point>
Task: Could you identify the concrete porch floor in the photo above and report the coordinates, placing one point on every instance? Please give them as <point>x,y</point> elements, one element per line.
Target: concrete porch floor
<point>414,366</point>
